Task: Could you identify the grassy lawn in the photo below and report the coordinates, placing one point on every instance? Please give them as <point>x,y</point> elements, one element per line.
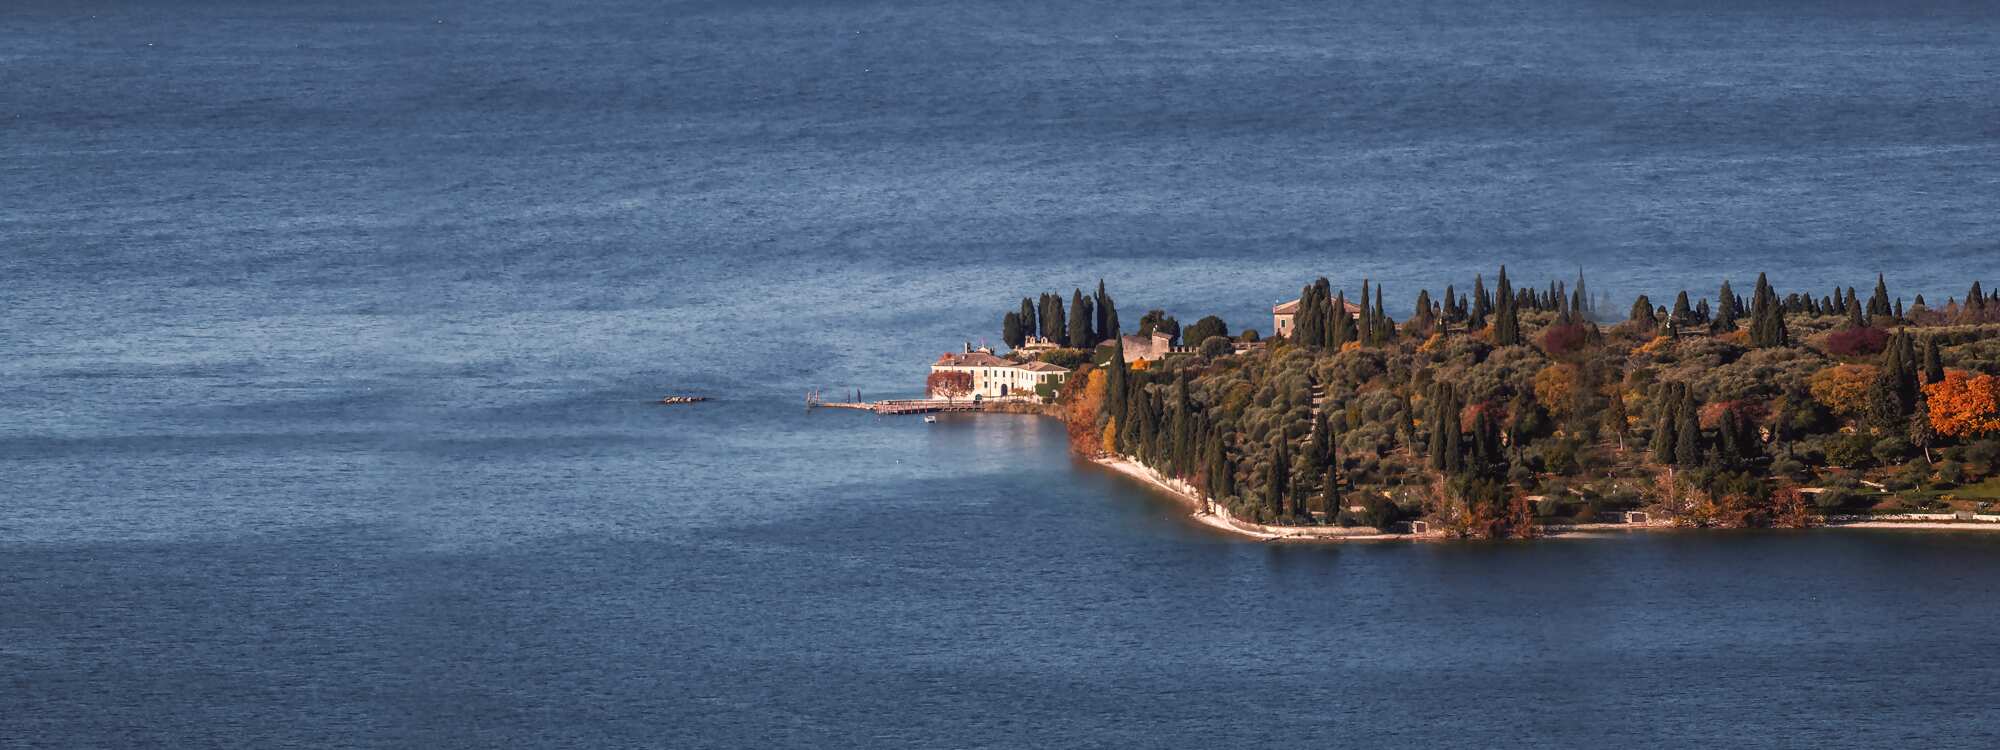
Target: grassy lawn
<point>1987,490</point>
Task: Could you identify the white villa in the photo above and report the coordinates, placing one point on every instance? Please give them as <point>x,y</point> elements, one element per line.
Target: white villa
<point>994,377</point>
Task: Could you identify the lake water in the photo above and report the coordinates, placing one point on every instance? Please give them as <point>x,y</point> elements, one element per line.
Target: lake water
<point>328,332</point>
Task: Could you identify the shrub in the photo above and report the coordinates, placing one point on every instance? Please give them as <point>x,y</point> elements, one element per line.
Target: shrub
<point>1832,498</point>
<point>1849,450</point>
<point>1857,342</point>
<point>1563,339</point>
<point>1216,346</point>
<point>1951,472</point>
<point>1890,450</point>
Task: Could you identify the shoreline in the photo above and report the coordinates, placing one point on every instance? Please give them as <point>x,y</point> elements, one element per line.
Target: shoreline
<point>1220,520</point>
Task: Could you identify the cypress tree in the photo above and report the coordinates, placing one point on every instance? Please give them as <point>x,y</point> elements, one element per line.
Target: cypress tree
<point>1053,325</point>
<point>1367,311</point>
<point>1933,365</point>
<point>1103,320</point>
<point>1481,305</point>
<point>1183,438</point>
<point>1010,330</point>
<point>1308,325</point>
<point>1642,311</point>
<point>1027,316</point>
<point>1854,315</point>
<point>1665,440</point>
<point>1767,319</point>
<point>1975,300</point>
<point>1878,303</point>
<point>1729,451</point>
<point>1423,319</point>
<point>1385,327</point>
<point>1079,321</point>
<point>1274,481</point>
<point>1687,446</point>
<point>1506,317</point>
<point>1580,298</point>
<point>1217,469</point>
<point>1683,314</point>
<point>1319,449</point>
<point>1341,329</point>
<point>1114,382</point>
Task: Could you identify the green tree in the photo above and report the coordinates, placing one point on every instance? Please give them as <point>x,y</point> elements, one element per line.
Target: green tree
<point>1010,330</point>
<point>1506,316</point>
<point>1878,303</point>
<point>1481,305</point>
<point>1027,316</point>
<point>1204,328</point>
<point>1726,311</point>
<point>1767,317</point>
<point>1274,479</point>
<point>1079,321</point>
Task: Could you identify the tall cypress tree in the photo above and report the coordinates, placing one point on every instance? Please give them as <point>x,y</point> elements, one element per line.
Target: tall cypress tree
<point>1506,317</point>
<point>1115,380</point>
<point>1767,318</point>
<point>1666,423</point>
<point>1687,429</point>
<point>1726,311</point>
<point>1580,297</point>
<point>1341,329</point>
<point>1053,324</point>
<point>1481,305</point>
<point>1933,366</point>
<point>1027,316</point>
<point>1079,321</point>
<point>1878,303</point>
<point>1103,320</point>
<point>1383,328</point>
<point>1010,330</point>
<point>1423,318</point>
<point>1274,480</point>
<point>1308,323</point>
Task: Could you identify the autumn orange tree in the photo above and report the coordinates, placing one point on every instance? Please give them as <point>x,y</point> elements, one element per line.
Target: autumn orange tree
<point>1555,387</point>
<point>1843,388</point>
<point>1964,405</point>
<point>1080,413</point>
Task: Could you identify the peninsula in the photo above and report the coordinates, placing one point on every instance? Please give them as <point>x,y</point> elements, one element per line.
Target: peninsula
<point>1509,411</point>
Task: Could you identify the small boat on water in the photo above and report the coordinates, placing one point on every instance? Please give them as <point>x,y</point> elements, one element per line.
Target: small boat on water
<point>930,419</point>
<point>683,399</point>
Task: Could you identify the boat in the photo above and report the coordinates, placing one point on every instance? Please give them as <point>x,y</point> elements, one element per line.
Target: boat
<point>930,419</point>
<point>683,399</point>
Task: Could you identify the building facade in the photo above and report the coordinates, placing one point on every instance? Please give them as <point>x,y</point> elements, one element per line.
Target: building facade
<point>994,377</point>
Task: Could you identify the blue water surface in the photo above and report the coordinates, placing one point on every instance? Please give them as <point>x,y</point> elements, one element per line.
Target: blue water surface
<point>328,332</point>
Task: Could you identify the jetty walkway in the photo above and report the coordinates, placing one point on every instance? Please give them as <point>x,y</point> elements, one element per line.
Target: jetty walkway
<point>903,406</point>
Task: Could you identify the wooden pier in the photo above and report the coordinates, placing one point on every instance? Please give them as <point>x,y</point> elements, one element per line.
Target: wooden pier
<point>902,406</point>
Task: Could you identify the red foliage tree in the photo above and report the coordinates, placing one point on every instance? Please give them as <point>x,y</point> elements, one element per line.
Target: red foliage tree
<point>1857,342</point>
<point>951,384</point>
<point>1559,340</point>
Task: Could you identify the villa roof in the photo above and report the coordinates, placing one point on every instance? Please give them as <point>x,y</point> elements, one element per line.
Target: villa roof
<point>982,359</point>
<point>972,359</point>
